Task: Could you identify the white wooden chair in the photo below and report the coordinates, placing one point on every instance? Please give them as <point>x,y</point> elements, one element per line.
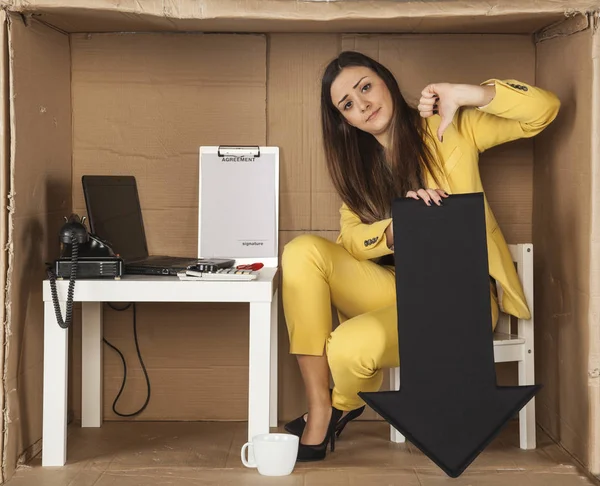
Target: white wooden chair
<point>508,347</point>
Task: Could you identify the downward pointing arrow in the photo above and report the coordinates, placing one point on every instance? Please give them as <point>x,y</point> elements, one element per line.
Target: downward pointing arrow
<point>448,405</point>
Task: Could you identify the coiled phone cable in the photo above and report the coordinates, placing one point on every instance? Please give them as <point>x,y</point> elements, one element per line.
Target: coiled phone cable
<point>52,277</point>
<point>66,323</point>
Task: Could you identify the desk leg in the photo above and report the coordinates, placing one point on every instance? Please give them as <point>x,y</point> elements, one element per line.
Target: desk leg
<point>274,345</point>
<point>54,433</point>
<point>91,364</point>
<point>260,369</point>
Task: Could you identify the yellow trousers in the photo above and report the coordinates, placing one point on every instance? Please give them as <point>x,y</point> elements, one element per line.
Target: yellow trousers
<point>318,273</point>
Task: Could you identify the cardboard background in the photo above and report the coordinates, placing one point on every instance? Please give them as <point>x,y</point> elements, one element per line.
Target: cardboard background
<point>40,195</point>
<point>131,113</point>
<point>562,243</point>
<point>230,103</point>
<point>4,184</point>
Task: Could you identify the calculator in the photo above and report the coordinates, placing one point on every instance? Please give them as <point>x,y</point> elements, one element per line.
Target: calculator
<point>225,274</point>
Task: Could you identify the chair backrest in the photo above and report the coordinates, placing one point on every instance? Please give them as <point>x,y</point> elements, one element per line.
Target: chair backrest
<point>522,256</point>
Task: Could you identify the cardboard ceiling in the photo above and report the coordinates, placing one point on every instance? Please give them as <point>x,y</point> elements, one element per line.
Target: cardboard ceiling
<point>511,16</point>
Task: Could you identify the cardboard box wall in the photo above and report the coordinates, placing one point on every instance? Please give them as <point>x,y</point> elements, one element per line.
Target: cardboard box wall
<point>142,103</point>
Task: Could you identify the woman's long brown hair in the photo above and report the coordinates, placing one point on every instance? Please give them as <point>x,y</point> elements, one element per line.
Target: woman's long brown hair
<point>356,161</point>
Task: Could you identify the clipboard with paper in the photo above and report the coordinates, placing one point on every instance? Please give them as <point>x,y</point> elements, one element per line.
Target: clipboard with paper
<point>238,204</point>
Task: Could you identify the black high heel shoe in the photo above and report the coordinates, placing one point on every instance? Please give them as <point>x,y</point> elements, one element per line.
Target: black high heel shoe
<point>349,416</point>
<point>318,452</point>
<point>297,425</point>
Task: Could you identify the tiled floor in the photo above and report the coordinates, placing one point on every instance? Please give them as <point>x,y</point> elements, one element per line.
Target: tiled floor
<point>208,453</point>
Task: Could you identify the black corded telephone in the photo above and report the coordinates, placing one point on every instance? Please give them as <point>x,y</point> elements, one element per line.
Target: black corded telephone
<point>83,255</point>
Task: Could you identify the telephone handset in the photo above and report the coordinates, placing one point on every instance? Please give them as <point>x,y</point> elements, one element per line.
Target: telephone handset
<point>74,228</point>
<point>83,255</point>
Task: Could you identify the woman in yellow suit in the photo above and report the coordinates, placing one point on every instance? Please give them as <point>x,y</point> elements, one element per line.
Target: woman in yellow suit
<point>379,148</point>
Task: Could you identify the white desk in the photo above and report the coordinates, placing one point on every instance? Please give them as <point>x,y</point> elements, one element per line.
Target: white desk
<point>261,294</point>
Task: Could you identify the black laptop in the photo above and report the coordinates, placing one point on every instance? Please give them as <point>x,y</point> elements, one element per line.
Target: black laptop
<point>115,215</point>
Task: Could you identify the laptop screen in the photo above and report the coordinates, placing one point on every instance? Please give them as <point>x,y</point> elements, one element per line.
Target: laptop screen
<point>115,215</point>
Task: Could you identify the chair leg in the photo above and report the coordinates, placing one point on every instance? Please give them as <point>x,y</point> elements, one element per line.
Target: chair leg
<point>395,436</point>
<point>527,426</point>
<point>527,414</point>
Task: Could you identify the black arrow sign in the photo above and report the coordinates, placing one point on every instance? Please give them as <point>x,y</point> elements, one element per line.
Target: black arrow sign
<point>448,405</point>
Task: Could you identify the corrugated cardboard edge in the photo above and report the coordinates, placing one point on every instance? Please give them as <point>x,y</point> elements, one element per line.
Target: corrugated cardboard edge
<point>304,9</point>
<point>4,174</point>
<point>574,22</point>
<point>8,149</point>
<point>594,307</point>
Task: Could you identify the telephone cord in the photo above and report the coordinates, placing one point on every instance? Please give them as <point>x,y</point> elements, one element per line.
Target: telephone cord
<point>52,277</point>
<point>137,347</point>
<point>66,323</point>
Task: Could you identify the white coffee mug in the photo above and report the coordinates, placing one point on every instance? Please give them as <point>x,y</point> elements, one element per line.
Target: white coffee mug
<point>274,454</point>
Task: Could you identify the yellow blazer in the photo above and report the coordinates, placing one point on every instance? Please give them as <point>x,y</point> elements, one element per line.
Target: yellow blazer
<point>518,110</point>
